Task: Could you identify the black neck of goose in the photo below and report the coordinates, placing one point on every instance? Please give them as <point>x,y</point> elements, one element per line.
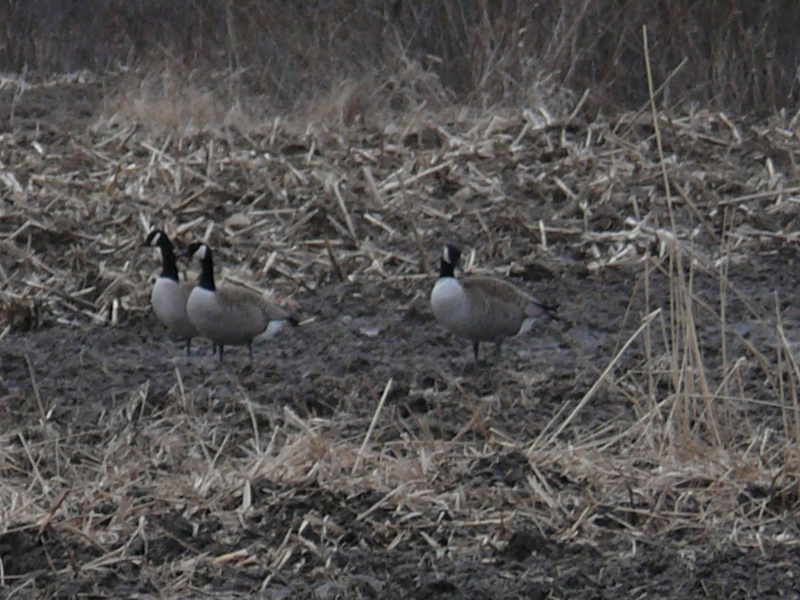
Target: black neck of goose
<point>207,274</point>
<point>446,269</point>
<point>169,266</point>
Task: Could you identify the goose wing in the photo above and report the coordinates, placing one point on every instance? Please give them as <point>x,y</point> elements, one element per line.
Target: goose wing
<point>502,304</point>
<point>252,308</point>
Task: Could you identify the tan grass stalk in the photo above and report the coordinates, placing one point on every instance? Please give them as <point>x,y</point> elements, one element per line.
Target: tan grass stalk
<point>596,385</point>
<point>36,394</point>
<point>656,128</point>
<point>791,419</point>
<point>368,435</point>
<point>347,219</point>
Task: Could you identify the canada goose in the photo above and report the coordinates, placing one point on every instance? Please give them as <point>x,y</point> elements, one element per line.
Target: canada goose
<point>481,309</point>
<point>230,315</point>
<point>169,295</point>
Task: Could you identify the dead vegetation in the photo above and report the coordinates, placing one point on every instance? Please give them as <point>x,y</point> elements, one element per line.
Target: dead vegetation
<point>741,56</point>
<point>676,417</point>
<point>655,432</point>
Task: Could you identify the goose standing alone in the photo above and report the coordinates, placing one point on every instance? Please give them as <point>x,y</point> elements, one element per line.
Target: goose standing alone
<point>169,295</point>
<point>481,309</point>
<point>230,316</point>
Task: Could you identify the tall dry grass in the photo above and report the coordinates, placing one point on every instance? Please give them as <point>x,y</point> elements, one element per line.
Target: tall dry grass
<point>742,54</point>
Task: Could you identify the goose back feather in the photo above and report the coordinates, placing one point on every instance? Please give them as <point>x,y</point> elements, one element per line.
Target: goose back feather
<point>481,309</point>
<point>231,315</point>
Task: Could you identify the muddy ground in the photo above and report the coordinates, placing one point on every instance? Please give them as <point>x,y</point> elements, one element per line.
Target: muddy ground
<point>133,456</point>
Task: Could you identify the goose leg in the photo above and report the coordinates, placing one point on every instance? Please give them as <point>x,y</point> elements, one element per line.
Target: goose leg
<point>221,348</point>
<point>498,352</point>
<point>188,346</point>
<point>250,347</point>
<point>475,352</point>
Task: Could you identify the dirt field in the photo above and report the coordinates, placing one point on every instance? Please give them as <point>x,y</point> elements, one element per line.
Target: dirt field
<point>130,470</point>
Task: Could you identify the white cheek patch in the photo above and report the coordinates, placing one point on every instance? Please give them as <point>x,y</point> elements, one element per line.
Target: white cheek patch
<point>201,252</point>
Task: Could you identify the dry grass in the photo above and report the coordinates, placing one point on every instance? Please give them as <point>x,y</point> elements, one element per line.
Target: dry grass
<point>671,198</point>
<point>742,56</point>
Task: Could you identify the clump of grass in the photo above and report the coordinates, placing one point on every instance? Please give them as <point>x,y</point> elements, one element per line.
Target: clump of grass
<point>167,97</point>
